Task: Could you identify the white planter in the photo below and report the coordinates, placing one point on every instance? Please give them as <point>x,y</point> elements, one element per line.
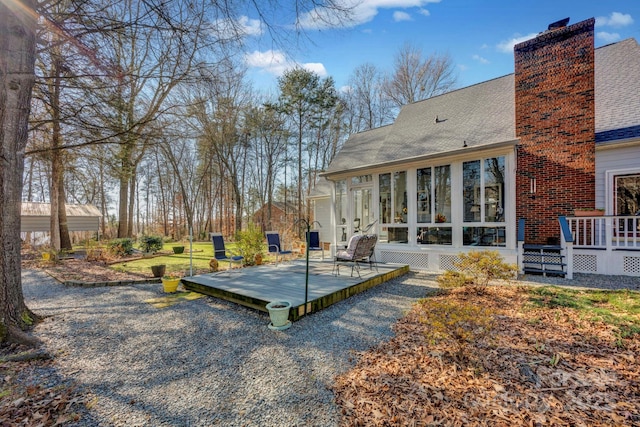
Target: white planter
<point>279,314</point>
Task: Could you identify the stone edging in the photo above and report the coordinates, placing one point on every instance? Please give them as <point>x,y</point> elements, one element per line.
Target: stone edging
<point>80,283</point>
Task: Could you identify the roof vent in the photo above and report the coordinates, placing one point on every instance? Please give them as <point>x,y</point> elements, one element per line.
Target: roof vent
<point>558,24</point>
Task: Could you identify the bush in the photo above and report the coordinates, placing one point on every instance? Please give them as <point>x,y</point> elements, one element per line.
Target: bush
<point>478,269</point>
<point>250,242</point>
<point>121,247</point>
<point>151,243</point>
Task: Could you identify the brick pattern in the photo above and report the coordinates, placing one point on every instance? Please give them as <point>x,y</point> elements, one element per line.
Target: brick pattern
<point>555,121</point>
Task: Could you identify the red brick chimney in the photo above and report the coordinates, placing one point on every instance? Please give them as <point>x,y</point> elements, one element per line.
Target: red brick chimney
<point>555,121</point>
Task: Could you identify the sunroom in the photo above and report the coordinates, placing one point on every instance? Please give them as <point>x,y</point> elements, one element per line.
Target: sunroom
<point>426,210</point>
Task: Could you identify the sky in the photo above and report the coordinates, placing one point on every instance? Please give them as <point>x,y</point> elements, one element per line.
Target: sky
<point>478,35</point>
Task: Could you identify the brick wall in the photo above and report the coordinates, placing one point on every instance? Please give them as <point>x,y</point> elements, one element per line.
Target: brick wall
<point>555,121</point>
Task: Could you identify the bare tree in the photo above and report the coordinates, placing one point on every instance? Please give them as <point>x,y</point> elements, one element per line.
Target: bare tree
<point>17,59</point>
<point>367,103</point>
<point>415,78</point>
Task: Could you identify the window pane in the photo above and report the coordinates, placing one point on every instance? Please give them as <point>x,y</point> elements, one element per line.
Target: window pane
<point>341,209</point>
<point>361,179</point>
<point>398,234</point>
<point>471,191</point>
<point>385,198</point>
<point>400,197</point>
<point>424,195</point>
<point>494,189</point>
<point>434,235</point>
<point>483,236</point>
<point>442,184</point>
<point>628,195</point>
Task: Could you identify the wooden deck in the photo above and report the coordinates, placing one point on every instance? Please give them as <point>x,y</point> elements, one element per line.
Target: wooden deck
<point>256,286</point>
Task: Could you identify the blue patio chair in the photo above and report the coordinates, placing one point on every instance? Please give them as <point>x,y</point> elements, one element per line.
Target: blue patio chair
<point>220,252</point>
<point>313,237</point>
<point>273,241</point>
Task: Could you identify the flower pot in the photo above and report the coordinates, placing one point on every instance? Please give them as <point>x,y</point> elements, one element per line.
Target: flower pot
<point>158,270</point>
<point>178,249</point>
<point>588,212</point>
<point>170,285</point>
<point>258,259</point>
<point>279,314</point>
<point>213,264</point>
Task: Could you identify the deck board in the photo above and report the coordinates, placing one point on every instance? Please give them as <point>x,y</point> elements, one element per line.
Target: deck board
<point>256,286</point>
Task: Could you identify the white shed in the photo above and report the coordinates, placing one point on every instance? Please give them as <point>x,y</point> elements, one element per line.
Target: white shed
<point>36,217</point>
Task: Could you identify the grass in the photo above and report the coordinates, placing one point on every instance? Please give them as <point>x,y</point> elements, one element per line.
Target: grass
<point>202,254</point>
<point>620,309</point>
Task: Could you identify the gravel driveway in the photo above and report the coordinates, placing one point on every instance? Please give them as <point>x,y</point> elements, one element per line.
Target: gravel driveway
<point>206,362</point>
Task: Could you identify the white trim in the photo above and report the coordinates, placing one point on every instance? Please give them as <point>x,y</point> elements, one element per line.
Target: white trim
<point>608,186</point>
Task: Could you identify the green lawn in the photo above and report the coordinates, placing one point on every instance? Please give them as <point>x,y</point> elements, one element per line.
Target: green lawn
<point>202,254</point>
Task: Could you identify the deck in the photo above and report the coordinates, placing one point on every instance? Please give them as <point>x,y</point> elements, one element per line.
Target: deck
<point>256,286</point>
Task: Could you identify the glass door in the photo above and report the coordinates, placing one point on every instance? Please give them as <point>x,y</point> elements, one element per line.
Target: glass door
<point>362,208</point>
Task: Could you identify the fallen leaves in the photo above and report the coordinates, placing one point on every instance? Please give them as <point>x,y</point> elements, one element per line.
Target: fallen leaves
<point>537,366</point>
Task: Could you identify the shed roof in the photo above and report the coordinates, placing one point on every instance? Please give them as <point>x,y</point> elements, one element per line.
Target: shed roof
<point>44,209</point>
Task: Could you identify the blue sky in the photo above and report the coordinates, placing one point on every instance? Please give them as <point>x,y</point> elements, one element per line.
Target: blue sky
<point>478,35</point>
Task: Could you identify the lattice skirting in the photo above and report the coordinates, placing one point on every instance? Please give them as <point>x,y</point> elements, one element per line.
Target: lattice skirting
<point>631,264</point>
<point>585,263</point>
<point>419,261</point>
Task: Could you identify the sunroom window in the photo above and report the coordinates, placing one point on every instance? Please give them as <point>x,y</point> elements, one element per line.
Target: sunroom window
<point>341,210</point>
<point>483,202</point>
<point>393,207</point>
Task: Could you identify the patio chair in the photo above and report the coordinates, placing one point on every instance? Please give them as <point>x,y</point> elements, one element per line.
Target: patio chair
<point>360,250</point>
<point>313,238</point>
<point>220,252</point>
<point>275,247</point>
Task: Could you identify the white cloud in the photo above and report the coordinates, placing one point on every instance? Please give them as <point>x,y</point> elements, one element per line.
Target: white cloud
<point>362,11</point>
<point>424,12</point>
<point>506,46</point>
<point>399,16</point>
<point>463,67</point>
<point>608,37</point>
<point>615,20</point>
<point>480,59</point>
<point>251,27</point>
<point>275,62</point>
<point>316,67</point>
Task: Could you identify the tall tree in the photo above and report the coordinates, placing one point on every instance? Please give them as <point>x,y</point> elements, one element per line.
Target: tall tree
<point>415,78</point>
<point>17,59</point>
<point>367,104</point>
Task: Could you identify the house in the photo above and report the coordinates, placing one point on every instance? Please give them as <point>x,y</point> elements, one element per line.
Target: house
<point>505,163</point>
<point>282,217</point>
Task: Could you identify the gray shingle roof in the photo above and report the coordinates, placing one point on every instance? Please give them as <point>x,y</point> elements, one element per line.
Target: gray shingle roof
<point>484,114</point>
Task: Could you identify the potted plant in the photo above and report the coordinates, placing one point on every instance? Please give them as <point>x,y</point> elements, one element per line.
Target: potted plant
<point>150,244</point>
<point>170,283</point>
<point>441,218</point>
<point>158,270</point>
<point>279,315</point>
<point>588,212</point>
<point>178,249</point>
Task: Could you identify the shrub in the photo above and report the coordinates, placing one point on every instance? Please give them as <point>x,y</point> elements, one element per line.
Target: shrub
<point>478,268</point>
<point>250,242</point>
<point>121,247</point>
<point>151,243</point>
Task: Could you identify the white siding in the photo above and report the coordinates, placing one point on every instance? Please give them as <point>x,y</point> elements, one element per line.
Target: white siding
<point>322,214</point>
<point>624,159</point>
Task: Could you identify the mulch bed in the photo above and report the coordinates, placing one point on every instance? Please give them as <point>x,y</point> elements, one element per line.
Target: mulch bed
<point>526,366</point>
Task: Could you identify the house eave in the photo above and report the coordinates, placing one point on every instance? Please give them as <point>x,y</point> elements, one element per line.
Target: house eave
<point>451,153</point>
<point>616,144</point>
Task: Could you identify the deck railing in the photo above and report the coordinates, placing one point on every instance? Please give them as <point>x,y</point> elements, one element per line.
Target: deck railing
<point>605,232</point>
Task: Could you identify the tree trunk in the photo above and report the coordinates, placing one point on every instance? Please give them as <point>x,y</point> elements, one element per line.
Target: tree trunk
<point>17,58</point>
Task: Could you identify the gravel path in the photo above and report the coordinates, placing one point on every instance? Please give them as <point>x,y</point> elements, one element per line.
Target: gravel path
<point>207,362</point>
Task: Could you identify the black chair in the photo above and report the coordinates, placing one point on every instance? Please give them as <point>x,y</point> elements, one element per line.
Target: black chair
<point>313,237</point>
<point>273,242</point>
<point>220,252</point>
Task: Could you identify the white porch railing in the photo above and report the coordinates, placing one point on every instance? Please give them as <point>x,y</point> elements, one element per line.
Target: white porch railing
<point>605,232</point>
<point>607,245</point>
